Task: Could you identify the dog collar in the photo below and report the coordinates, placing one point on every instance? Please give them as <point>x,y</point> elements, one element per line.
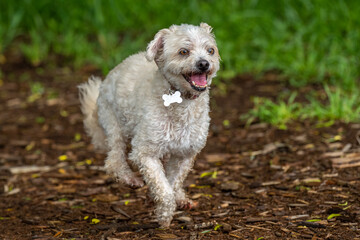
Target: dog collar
<point>186,95</point>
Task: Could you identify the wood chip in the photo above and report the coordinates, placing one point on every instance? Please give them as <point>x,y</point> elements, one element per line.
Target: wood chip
<point>272,147</point>
<point>260,219</point>
<point>68,147</point>
<point>18,143</point>
<point>270,183</point>
<point>234,235</point>
<point>332,154</point>
<point>298,216</point>
<point>297,205</point>
<point>93,191</point>
<point>119,210</point>
<point>9,157</point>
<point>184,219</point>
<point>166,236</point>
<point>106,197</point>
<point>268,148</point>
<point>28,169</point>
<point>311,224</point>
<point>257,227</point>
<point>330,175</point>
<point>229,186</point>
<point>217,157</point>
<point>347,161</point>
<point>221,214</point>
<point>129,200</point>
<point>33,168</point>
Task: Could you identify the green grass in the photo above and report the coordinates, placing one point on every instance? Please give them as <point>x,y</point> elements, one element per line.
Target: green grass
<point>339,105</point>
<point>277,114</point>
<point>335,105</point>
<point>306,41</point>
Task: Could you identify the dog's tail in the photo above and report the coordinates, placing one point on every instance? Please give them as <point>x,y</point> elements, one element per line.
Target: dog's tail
<point>88,94</point>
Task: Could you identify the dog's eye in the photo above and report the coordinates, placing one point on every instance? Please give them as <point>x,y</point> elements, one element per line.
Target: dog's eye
<point>211,51</point>
<point>184,52</point>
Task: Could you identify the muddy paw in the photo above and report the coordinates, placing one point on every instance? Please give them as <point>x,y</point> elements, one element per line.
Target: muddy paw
<point>186,204</point>
<point>134,182</point>
<point>164,223</point>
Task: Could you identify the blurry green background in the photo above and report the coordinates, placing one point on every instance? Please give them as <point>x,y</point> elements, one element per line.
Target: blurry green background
<point>307,42</point>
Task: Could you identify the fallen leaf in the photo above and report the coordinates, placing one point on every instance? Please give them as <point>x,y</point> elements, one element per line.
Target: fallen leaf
<point>58,234</point>
<point>333,216</point>
<point>64,113</point>
<point>95,221</point>
<point>217,227</point>
<point>63,158</point>
<point>206,174</point>
<point>30,146</point>
<point>166,236</point>
<point>77,137</point>
<point>106,197</point>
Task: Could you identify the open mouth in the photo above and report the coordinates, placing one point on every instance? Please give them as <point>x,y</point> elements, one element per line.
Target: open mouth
<point>198,81</point>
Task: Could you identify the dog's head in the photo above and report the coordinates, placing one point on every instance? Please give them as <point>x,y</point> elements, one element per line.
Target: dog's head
<point>186,55</point>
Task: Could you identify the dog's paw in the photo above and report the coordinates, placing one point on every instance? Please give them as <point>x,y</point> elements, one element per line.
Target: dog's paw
<point>186,204</point>
<point>134,182</point>
<point>164,222</point>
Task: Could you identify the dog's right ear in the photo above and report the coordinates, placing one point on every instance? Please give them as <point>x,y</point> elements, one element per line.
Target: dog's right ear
<point>156,45</point>
<point>206,26</point>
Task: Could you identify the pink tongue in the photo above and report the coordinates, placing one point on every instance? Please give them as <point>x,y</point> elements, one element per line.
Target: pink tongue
<point>199,79</point>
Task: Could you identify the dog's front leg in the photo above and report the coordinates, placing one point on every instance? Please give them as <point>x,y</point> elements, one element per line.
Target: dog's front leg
<point>177,170</point>
<point>161,191</point>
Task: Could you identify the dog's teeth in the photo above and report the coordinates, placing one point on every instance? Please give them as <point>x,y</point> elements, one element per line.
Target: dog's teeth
<point>193,83</point>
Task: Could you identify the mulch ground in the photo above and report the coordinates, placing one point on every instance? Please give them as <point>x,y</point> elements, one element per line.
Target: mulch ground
<point>250,182</point>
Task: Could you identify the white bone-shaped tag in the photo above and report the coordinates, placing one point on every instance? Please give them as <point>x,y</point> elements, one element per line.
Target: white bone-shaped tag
<point>172,98</point>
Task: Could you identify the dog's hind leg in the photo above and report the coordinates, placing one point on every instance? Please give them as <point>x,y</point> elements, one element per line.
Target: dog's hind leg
<point>115,163</point>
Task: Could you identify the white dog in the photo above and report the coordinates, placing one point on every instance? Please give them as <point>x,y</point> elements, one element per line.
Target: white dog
<point>158,101</point>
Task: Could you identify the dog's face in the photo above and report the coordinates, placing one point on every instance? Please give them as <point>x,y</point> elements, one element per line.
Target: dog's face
<point>186,55</point>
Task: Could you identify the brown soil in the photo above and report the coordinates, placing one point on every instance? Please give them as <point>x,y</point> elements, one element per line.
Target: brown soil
<point>254,182</point>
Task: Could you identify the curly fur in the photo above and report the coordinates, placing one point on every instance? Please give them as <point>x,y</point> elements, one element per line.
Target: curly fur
<point>127,107</point>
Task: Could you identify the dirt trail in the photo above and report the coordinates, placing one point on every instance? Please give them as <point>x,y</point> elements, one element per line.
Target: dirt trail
<point>254,182</point>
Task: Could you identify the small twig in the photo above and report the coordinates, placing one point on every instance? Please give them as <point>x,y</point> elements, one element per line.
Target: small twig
<point>256,227</point>
<point>260,219</point>
<point>119,210</point>
<point>311,224</point>
<point>236,236</point>
<point>127,227</point>
<point>298,216</point>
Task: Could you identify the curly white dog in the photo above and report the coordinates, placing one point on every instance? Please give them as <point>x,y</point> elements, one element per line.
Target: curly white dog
<point>137,104</point>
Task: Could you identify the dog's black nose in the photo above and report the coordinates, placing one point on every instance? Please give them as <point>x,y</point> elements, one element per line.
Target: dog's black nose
<point>203,65</point>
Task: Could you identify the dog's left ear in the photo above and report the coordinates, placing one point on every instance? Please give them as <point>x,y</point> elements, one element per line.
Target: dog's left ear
<point>156,45</point>
<point>206,26</point>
